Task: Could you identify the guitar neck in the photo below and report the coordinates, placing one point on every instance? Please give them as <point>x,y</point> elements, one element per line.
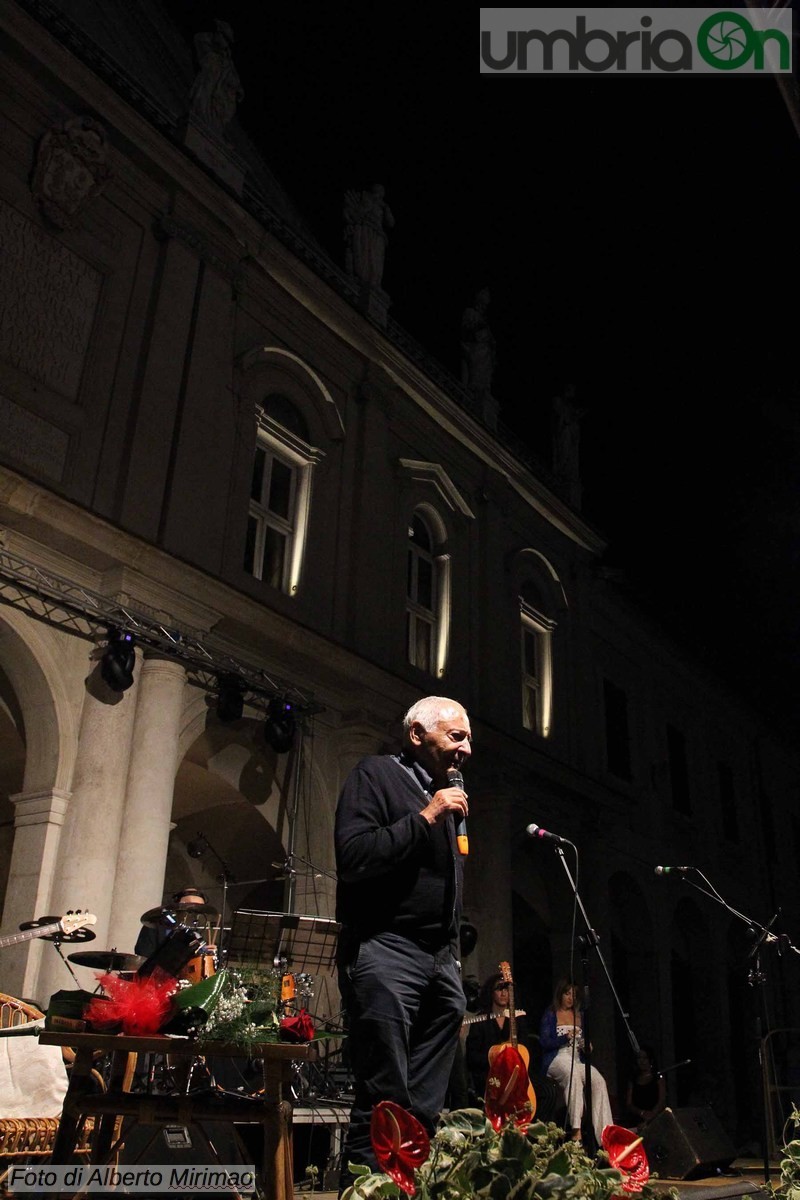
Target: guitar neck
<point>476,1018</point>
<point>11,939</point>
<point>512,1015</point>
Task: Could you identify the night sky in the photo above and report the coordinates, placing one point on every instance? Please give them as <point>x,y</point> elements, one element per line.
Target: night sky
<point>638,236</point>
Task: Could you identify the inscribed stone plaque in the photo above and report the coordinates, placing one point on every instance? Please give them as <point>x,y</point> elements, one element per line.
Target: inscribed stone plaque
<point>31,441</point>
<point>48,298</point>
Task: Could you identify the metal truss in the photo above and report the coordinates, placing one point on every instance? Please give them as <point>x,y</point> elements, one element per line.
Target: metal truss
<point>58,602</point>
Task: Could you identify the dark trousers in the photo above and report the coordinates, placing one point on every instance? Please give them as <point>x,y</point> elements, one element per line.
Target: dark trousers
<point>404,1007</point>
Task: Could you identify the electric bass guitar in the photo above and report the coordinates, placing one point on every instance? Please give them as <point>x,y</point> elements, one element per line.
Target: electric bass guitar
<point>505,971</point>
<point>68,924</point>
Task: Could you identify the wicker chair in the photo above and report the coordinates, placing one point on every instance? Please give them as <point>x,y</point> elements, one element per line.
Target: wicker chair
<point>30,1139</point>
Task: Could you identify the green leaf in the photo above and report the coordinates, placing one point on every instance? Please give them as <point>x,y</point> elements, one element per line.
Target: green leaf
<point>554,1185</point>
<point>559,1164</point>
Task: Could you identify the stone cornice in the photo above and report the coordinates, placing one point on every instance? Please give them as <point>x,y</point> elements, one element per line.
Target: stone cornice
<point>435,474</point>
<point>285,255</point>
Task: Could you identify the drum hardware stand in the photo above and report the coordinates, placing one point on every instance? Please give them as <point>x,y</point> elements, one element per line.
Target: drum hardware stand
<point>226,877</point>
<point>57,947</point>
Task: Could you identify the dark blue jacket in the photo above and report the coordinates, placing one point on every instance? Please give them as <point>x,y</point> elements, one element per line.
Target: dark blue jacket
<point>396,873</point>
<point>549,1040</point>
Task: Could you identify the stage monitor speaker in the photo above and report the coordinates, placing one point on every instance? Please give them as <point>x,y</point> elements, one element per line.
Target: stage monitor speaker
<point>185,1146</point>
<point>687,1143</point>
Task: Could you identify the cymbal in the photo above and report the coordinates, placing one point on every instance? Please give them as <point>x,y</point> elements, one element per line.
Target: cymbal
<point>106,960</point>
<point>155,917</point>
<point>77,935</point>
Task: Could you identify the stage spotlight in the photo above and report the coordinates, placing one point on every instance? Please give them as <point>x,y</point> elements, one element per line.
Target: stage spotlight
<point>230,699</point>
<point>118,661</point>
<point>280,724</point>
<point>197,848</point>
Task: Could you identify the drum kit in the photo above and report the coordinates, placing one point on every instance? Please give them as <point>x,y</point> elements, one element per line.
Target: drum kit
<point>295,988</point>
<point>167,919</point>
<point>194,925</point>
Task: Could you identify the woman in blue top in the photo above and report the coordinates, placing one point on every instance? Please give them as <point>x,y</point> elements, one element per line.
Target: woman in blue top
<point>561,1040</point>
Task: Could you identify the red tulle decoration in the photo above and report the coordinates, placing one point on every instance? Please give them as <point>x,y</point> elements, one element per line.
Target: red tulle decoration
<point>138,1006</point>
<point>297,1029</point>
<point>626,1152</point>
<point>506,1097</point>
<point>400,1143</point>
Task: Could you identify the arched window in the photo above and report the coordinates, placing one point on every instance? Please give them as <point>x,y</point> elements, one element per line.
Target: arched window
<point>536,651</point>
<point>427,594</point>
<point>280,495</point>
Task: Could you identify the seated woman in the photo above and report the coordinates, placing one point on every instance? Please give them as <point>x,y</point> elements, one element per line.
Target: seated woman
<point>646,1095</point>
<point>491,1026</point>
<point>561,1039</point>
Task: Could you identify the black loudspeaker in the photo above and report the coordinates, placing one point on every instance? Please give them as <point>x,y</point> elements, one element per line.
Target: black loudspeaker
<point>687,1143</point>
<point>185,1146</point>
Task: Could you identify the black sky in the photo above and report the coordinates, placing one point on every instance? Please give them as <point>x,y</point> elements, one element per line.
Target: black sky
<point>638,236</point>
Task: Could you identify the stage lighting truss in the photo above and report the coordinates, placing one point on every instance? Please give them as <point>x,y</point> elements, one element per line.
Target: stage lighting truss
<point>56,601</point>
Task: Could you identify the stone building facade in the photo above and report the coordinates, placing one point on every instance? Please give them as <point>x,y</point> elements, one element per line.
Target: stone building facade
<point>204,423</point>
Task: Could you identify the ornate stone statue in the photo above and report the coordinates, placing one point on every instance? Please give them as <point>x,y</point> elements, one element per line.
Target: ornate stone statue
<point>70,169</point>
<point>367,217</point>
<point>217,88</point>
<point>567,416</point>
<point>478,353</point>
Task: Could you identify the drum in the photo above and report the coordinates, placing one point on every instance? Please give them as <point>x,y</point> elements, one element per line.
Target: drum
<point>202,966</point>
<point>288,994</point>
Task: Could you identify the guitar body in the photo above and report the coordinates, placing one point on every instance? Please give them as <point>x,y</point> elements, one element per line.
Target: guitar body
<point>522,1051</point>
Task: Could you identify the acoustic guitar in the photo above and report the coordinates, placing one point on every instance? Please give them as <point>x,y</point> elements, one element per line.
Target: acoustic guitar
<point>68,924</point>
<point>522,1051</point>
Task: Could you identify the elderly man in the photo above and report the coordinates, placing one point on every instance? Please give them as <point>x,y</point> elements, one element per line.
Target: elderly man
<point>399,901</point>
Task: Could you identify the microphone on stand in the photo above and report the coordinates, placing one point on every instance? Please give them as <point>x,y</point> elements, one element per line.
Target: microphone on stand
<point>456,779</point>
<point>536,831</point>
<point>668,870</point>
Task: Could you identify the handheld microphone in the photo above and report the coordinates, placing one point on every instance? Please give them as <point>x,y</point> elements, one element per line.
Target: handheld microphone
<point>456,779</point>
<point>536,831</point>
<point>668,870</point>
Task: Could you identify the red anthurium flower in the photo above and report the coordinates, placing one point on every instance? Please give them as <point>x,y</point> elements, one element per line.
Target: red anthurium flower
<point>626,1153</point>
<point>400,1143</point>
<point>506,1096</point>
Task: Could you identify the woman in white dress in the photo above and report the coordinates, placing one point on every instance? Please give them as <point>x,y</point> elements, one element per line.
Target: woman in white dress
<point>561,1040</point>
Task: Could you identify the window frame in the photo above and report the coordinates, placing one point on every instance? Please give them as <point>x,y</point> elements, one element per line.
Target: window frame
<point>437,618</point>
<point>618,740</point>
<point>279,443</point>
<point>540,685</point>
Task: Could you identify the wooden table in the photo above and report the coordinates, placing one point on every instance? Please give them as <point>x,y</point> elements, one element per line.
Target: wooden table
<point>272,1111</point>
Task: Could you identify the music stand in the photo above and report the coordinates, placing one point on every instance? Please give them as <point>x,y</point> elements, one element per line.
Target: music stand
<point>264,941</point>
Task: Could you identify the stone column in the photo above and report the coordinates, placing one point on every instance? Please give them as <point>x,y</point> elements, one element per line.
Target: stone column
<point>38,818</point>
<point>87,852</point>
<point>142,853</point>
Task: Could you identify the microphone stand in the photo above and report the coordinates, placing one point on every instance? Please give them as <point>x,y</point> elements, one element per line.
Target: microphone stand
<point>592,940</point>
<point>226,877</point>
<point>756,979</point>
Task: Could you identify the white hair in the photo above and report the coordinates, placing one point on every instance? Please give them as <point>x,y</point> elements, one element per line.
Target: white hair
<point>429,711</point>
